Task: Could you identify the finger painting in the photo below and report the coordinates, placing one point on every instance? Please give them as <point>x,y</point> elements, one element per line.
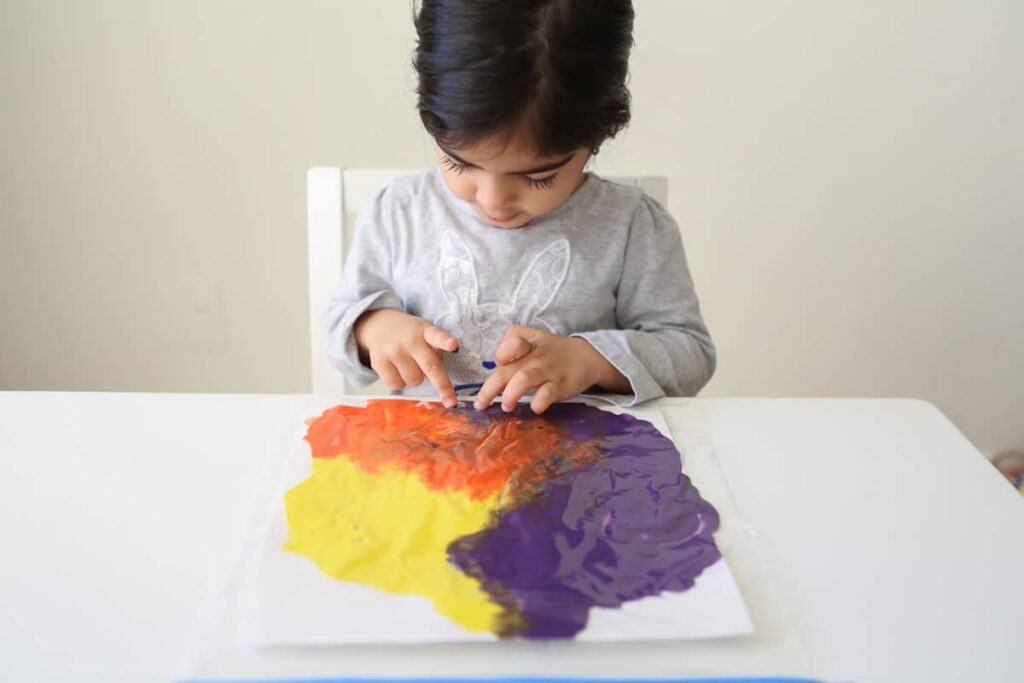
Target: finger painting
<point>511,524</point>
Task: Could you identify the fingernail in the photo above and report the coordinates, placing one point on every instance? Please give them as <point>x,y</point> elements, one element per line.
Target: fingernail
<point>489,364</point>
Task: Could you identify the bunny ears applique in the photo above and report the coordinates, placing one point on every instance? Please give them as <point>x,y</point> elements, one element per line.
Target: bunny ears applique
<point>479,326</point>
<point>537,286</point>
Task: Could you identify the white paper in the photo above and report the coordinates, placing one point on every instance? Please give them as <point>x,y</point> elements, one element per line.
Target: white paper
<point>293,603</point>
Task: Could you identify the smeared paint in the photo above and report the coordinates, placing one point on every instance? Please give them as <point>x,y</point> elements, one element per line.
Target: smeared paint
<point>628,527</point>
<point>450,449</point>
<point>545,516</point>
<point>388,531</point>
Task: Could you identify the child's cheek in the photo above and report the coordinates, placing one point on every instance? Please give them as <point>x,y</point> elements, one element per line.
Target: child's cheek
<point>548,201</point>
<point>461,186</point>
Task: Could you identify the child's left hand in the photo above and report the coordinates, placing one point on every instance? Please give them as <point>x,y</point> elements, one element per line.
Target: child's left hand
<point>557,367</point>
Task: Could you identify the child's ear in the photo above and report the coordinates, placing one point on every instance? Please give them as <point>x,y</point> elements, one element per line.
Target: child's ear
<point>541,281</point>
<point>458,276</point>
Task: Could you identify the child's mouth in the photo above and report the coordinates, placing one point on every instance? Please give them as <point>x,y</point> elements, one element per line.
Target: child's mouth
<point>508,218</point>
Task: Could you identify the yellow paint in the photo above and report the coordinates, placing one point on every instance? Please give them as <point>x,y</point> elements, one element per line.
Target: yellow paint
<point>388,531</point>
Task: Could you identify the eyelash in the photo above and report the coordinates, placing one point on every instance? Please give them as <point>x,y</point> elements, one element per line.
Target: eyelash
<point>452,165</point>
<point>543,183</point>
<point>539,183</point>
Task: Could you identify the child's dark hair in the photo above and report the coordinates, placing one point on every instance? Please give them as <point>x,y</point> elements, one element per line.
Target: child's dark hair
<point>554,68</point>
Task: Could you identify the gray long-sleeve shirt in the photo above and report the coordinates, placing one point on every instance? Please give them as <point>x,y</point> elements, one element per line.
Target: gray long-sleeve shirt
<point>607,265</point>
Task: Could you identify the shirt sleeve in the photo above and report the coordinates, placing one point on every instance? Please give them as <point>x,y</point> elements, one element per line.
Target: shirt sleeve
<point>365,286</point>
<point>662,345</point>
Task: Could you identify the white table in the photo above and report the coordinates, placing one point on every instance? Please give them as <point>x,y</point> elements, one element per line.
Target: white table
<point>874,544</point>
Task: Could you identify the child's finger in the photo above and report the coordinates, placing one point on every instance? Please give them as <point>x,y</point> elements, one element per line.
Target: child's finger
<point>388,374</point>
<point>521,382</point>
<point>530,334</point>
<point>439,338</point>
<point>409,370</point>
<point>511,348</point>
<point>493,385</point>
<point>433,368</point>
<point>544,397</point>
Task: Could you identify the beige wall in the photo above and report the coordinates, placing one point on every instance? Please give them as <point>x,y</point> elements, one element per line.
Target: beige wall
<point>847,176</point>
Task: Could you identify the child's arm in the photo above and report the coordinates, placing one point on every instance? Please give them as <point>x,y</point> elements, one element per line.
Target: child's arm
<point>662,345</point>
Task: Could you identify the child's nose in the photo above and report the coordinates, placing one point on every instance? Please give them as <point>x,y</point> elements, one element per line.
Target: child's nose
<point>495,196</point>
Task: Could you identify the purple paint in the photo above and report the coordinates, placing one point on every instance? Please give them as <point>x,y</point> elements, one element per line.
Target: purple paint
<point>628,527</point>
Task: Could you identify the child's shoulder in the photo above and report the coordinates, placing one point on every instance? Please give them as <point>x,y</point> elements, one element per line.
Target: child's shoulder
<point>408,188</point>
<point>614,190</point>
<point>617,198</point>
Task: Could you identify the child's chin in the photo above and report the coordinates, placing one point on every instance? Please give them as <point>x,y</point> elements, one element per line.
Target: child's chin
<point>518,222</point>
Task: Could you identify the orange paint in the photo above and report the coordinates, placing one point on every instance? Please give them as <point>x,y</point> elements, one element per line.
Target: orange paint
<point>481,453</point>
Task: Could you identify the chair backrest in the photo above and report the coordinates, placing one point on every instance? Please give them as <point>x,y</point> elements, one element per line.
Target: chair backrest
<point>334,196</point>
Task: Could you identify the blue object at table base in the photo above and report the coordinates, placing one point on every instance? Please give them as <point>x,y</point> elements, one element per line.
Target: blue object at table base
<point>511,680</point>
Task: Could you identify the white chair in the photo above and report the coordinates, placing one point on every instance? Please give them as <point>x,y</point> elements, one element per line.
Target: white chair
<point>334,196</point>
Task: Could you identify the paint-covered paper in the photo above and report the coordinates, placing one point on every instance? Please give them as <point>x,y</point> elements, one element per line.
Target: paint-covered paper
<point>413,522</point>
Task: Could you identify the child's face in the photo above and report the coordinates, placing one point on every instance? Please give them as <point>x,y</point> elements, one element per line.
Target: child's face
<point>508,184</point>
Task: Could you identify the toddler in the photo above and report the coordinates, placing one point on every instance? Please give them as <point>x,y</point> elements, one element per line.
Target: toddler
<point>509,269</point>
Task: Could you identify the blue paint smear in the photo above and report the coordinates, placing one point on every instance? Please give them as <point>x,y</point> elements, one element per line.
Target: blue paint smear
<point>489,364</point>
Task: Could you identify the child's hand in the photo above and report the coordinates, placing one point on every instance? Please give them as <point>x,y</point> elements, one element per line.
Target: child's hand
<point>557,367</point>
<point>403,349</point>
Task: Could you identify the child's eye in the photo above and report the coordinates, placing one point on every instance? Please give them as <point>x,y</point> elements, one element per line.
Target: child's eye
<point>542,183</point>
<point>452,165</point>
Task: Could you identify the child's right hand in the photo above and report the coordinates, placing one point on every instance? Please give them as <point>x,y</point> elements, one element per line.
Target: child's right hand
<point>404,349</point>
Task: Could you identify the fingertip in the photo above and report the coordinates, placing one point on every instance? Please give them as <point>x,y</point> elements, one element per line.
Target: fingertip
<point>544,403</point>
<point>542,400</point>
<point>447,397</point>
